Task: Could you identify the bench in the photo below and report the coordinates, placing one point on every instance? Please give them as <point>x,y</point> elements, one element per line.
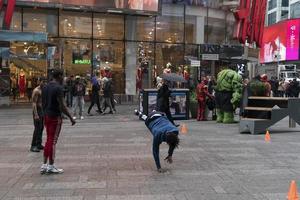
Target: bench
<point>262,112</point>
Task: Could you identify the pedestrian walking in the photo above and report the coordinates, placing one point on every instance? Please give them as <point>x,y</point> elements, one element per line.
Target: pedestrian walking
<point>95,98</point>
<point>163,104</point>
<point>163,131</point>
<point>38,117</point>
<point>78,97</point>
<point>107,95</point>
<point>53,107</point>
<point>202,94</point>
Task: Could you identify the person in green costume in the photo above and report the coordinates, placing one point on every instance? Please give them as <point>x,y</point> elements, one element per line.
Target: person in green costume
<point>228,95</point>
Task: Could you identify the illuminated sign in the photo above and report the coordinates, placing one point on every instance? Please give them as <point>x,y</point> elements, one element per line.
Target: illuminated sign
<point>130,5</point>
<point>281,42</point>
<point>82,62</point>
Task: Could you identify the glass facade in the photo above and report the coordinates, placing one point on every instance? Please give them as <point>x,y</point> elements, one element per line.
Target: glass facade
<point>295,10</point>
<point>83,43</point>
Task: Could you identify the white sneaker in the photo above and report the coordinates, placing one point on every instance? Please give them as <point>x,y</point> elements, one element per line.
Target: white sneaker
<point>51,169</point>
<point>74,117</point>
<point>81,117</point>
<point>43,169</point>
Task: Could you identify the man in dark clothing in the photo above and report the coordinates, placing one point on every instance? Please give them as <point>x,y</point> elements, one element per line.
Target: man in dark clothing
<point>294,88</point>
<point>38,117</point>
<point>163,104</point>
<point>95,99</point>
<point>78,97</point>
<point>53,107</point>
<point>107,93</point>
<point>163,131</point>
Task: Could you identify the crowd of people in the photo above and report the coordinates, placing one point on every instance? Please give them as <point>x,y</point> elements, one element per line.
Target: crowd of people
<point>75,90</point>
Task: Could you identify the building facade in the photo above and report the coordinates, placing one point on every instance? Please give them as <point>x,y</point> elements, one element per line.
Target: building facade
<point>135,47</point>
<point>277,10</point>
<point>294,9</point>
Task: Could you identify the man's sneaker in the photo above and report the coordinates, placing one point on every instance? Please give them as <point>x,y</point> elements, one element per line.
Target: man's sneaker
<point>43,169</point>
<point>51,169</point>
<point>74,117</point>
<point>40,147</point>
<point>81,117</point>
<point>34,149</point>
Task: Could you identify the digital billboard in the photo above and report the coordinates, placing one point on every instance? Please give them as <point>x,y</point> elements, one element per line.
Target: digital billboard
<point>281,42</point>
<point>126,5</point>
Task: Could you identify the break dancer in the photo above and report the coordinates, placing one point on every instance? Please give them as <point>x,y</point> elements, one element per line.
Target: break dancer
<point>163,131</point>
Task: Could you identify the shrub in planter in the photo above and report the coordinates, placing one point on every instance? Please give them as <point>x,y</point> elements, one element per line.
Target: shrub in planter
<point>257,88</point>
<point>193,105</point>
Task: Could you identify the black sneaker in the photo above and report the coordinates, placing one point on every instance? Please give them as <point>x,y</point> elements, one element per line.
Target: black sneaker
<point>111,112</point>
<point>40,147</point>
<point>34,149</point>
<point>99,111</point>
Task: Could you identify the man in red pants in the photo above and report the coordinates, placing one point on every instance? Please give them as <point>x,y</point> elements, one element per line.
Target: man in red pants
<point>53,106</point>
<point>202,93</point>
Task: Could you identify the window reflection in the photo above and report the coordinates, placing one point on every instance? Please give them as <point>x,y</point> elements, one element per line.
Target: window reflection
<point>40,21</point>
<point>77,57</point>
<point>144,28</point>
<point>75,24</point>
<point>215,29</point>
<point>15,22</point>
<point>108,26</point>
<point>170,29</point>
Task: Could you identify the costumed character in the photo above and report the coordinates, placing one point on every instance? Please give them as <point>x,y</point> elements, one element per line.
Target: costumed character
<point>22,83</point>
<point>202,93</point>
<point>228,95</point>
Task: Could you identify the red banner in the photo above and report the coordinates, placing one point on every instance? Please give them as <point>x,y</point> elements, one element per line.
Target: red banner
<point>9,13</point>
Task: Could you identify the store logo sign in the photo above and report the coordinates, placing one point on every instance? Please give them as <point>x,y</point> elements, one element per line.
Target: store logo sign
<point>82,62</point>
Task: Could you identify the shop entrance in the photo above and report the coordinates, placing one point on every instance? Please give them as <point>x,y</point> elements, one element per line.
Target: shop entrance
<point>24,63</point>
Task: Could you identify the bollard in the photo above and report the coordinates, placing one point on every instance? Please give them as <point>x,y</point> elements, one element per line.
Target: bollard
<point>292,123</point>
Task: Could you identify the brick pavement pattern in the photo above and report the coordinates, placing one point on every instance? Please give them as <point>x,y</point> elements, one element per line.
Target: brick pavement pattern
<point>109,158</point>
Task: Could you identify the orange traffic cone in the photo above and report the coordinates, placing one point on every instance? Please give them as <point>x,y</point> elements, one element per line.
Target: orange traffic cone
<point>183,129</point>
<point>293,194</point>
<point>267,136</point>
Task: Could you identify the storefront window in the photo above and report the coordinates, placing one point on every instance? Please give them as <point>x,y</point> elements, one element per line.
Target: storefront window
<point>75,24</point>
<point>140,28</point>
<point>40,20</point>
<point>169,53</point>
<point>16,20</point>
<point>109,55</point>
<point>77,57</point>
<point>191,29</point>
<point>215,28</point>
<point>170,26</point>
<point>230,26</point>
<point>191,57</point>
<point>108,26</point>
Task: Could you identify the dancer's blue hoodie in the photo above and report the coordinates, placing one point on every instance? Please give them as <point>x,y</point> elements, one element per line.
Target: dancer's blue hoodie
<point>159,127</point>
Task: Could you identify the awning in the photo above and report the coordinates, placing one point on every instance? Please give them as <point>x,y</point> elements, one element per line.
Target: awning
<point>14,36</point>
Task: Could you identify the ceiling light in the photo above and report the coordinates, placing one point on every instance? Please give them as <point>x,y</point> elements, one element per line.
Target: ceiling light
<point>69,24</point>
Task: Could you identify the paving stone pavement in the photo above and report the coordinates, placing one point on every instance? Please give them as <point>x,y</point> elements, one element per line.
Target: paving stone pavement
<point>109,158</point>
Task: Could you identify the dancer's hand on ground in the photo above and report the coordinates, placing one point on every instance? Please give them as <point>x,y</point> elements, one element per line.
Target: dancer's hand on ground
<point>73,122</point>
<point>161,170</point>
<point>169,159</point>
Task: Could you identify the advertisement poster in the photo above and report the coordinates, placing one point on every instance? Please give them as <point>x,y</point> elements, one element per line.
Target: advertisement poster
<point>281,42</point>
<point>177,103</point>
<point>145,5</point>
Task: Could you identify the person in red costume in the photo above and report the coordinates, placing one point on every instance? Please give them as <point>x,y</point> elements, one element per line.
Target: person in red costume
<point>22,83</point>
<point>202,93</point>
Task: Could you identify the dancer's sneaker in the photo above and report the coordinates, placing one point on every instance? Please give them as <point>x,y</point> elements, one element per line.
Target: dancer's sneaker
<point>51,169</point>
<point>43,169</point>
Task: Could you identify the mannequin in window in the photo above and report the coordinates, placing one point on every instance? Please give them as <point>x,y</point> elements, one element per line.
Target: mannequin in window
<point>186,76</point>
<point>154,75</point>
<point>168,70</point>
<point>139,78</point>
<point>13,82</point>
<point>180,73</point>
<point>29,88</point>
<point>135,4</point>
<point>119,3</point>
<point>22,83</point>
